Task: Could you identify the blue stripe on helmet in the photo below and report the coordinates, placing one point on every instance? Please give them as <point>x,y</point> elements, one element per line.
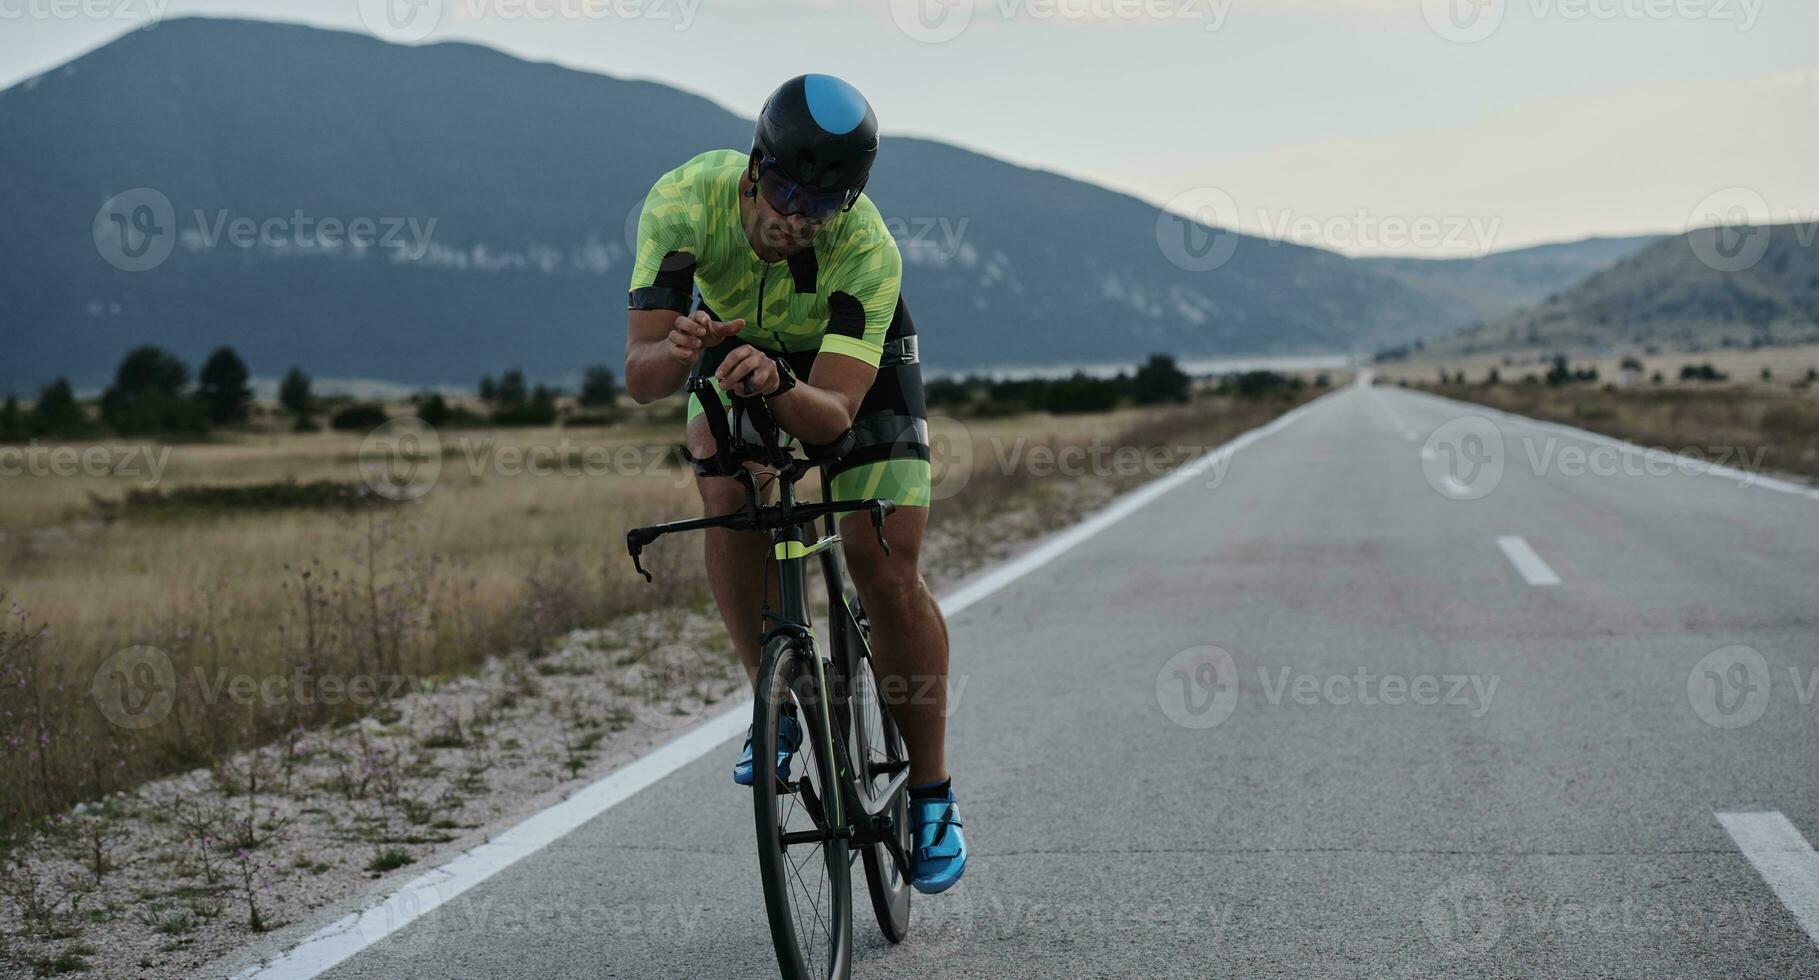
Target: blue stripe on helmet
<point>836,106</point>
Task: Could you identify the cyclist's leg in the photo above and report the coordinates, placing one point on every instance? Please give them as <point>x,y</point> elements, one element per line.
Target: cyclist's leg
<point>909,637</point>
<point>735,559</point>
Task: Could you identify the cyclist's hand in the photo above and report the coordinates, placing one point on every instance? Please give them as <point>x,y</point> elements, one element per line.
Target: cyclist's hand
<point>692,334</point>
<point>747,371</point>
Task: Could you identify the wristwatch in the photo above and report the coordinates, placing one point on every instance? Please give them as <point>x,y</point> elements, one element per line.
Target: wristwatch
<point>786,377</point>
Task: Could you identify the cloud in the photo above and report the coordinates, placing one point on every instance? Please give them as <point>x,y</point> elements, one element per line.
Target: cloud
<point>1632,159</point>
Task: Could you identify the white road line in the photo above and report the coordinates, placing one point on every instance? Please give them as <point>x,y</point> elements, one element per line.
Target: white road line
<point>1783,858</point>
<point>1680,461</point>
<point>1408,434</point>
<point>341,939</point>
<point>1526,561</point>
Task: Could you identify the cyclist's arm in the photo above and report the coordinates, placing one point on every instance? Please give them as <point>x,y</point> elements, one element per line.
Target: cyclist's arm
<point>860,308</point>
<point>655,365</point>
<point>822,408</point>
<point>660,340</point>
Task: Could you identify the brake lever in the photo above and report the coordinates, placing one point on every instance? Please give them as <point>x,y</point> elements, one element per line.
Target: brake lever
<point>879,509</point>
<point>634,543</point>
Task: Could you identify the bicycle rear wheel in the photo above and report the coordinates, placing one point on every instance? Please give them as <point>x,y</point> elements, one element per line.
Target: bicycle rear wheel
<point>803,856</point>
<point>878,752</point>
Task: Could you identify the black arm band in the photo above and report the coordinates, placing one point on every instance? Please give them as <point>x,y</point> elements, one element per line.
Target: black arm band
<point>659,298</point>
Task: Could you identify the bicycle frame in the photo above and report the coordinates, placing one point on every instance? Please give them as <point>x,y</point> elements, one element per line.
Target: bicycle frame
<point>790,549</point>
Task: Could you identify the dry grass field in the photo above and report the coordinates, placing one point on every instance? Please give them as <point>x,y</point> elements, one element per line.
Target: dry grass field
<point>1787,366</point>
<point>1760,426</point>
<point>261,554</point>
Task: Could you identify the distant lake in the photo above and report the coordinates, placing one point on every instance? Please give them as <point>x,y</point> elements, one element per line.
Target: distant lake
<point>1197,366</point>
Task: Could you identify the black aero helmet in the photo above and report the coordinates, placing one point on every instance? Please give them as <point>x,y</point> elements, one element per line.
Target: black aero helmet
<point>817,132</point>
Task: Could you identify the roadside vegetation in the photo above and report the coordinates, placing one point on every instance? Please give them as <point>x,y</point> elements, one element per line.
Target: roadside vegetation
<point>462,651</point>
<point>1771,416</point>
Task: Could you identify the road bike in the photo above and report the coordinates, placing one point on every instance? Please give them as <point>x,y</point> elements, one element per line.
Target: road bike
<point>844,794</point>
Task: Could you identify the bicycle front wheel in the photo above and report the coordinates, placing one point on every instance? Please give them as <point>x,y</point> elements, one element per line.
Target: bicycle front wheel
<point>802,848</point>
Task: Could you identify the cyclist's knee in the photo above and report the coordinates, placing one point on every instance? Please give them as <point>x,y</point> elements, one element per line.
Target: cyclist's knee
<point>719,494</point>
<point>893,579</point>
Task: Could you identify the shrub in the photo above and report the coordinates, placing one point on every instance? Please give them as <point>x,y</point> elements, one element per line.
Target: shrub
<point>1082,393</point>
<point>359,417</point>
<point>1160,381</point>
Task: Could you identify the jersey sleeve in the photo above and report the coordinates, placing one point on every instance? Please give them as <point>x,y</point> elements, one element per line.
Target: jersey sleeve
<point>663,270</point>
<point>862,299</point>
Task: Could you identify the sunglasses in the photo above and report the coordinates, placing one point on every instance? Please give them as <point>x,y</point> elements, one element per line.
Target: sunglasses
<point>789,198</point>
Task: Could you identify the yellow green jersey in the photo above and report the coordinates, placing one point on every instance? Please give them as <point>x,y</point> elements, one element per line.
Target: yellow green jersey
<point>839,296</point>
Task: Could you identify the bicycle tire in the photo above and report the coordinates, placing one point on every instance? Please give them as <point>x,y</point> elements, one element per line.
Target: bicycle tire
<point>877,740</point>
<point>819,944</point>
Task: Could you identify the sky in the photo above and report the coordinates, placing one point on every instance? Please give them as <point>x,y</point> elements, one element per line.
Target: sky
<point>1441,128</point>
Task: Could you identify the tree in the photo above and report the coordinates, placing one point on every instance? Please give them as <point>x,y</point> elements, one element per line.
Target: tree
<point>222,387</point>
<point>599,388</point>
<point>12,421</point>
<point>295,395</point>
<point>359,417</point>
<point>147,395</point>
<point>433,409</point>
<point>489,392</point>
<point>1160,381</point>
<point>511,392</point>
<point>56,412</point>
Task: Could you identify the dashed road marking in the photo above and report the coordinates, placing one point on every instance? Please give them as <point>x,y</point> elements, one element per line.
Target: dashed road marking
<point>1783,858</point>
<point>1533,569</point>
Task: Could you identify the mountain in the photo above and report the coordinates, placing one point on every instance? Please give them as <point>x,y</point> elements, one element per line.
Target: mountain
<point>1493,285</point>
<point>501,195</point>
<point>1708,288</point>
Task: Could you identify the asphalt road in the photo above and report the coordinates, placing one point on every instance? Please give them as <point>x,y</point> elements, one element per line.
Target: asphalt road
<point>1402,759</point>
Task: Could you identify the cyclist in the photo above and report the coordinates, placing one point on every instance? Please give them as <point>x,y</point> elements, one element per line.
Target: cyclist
<point>798,282</point>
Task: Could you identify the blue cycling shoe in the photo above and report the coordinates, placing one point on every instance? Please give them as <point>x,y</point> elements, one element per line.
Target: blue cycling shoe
<point>789,738</point>
<point>939,857</point>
